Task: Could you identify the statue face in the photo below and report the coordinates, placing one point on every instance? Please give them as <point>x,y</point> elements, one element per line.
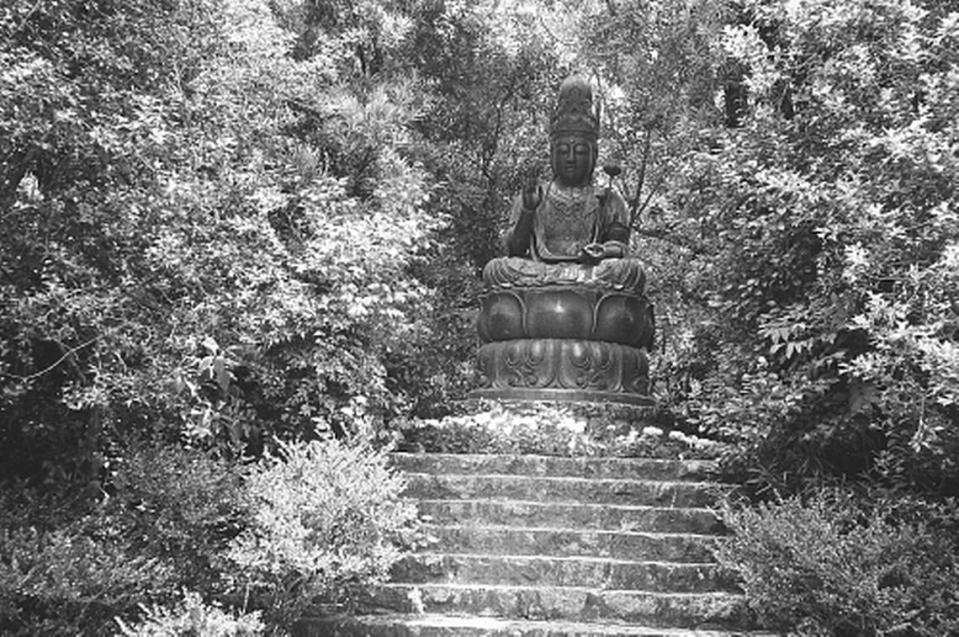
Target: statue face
<point>572,159</point>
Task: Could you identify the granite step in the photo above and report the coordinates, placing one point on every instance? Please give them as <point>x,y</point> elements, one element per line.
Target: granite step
<point>578,604</point>
<point>432,625</point>
<point>562,489</point>
<point>522,570</point>
<point>555,466</point>
<point>520,513</point>
<point>557,542</point>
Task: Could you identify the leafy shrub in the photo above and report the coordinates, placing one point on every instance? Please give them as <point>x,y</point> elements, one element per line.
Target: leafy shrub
<point>68,566</point>
<point>830,567</point>
<point>177,505</point>
<point>193,618</point>
<point>328,522</point>
<point>827,335</point>
<point>65,582</point>
<point>232,275</point>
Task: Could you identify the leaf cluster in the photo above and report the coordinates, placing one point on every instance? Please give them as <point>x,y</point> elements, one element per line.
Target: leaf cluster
<point>833,566</point>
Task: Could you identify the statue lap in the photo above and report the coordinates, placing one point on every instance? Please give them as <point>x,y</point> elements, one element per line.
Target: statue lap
<point>626,275</point>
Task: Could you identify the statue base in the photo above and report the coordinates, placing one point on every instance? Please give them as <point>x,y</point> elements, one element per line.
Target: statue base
<point>564,332</point>
<point>563,369</point>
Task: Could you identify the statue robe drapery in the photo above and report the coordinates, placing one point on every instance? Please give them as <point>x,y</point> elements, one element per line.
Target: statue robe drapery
<point>566,220</point>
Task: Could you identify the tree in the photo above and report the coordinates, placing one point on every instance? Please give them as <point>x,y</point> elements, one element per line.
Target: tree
<point>211,243</point>
<point>830,232</point>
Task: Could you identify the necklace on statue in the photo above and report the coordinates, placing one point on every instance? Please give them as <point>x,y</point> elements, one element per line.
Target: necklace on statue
<point>572,206</point>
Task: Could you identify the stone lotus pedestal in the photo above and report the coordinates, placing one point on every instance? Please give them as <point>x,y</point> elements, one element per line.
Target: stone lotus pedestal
<point>567,332</point>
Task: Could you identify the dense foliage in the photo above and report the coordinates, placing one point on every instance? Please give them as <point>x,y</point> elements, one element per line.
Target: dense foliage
<point>193,617</point>
<point>829,224</point>
<point>832,566</point>
<point>330,523</point>
<point>319,522</point>
<point>220,251</point>
<point>70,568</point>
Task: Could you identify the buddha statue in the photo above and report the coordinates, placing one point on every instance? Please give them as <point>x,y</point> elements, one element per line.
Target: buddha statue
<point>566,220</point>
<point>564,314</point>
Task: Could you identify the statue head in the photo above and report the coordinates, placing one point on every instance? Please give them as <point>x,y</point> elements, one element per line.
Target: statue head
<point>574,130</point>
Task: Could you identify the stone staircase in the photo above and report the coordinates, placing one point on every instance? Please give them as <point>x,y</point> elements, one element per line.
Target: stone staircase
<point>549,546</point>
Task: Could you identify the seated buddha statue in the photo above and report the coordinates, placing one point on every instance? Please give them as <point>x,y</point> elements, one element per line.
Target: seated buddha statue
<point>564,315</point>
<point>567,222</point>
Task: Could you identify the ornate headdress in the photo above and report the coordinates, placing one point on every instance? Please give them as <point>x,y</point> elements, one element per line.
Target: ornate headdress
<point>574,114</point>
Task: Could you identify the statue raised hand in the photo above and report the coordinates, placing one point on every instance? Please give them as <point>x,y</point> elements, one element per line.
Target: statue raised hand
<point>532,195</point>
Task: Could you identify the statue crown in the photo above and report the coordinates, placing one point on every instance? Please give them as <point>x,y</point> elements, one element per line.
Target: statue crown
<point>574,114</point>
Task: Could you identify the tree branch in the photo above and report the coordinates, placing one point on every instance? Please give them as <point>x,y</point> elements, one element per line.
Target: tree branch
<point>652,191</point>
<point>668,236</point>
<point>641,180</point>
<point>26,18</point>
<point>70,352</point>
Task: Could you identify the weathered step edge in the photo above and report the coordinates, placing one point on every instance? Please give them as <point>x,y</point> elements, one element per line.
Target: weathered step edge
<point>599,573</point>
<point>563,489</point>
<point>556,466</point>
<point>587,516</point>
<point>669,610</point>
<point>427,625</point>
<point>658,547</point>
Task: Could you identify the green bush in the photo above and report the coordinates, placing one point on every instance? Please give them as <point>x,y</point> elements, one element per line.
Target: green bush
<point>329,521</point>
<point>317,524</point>
<point>65,582</point>
<point>179,506</point>
<point>193,618</point>
<point>821,247</point>
<point>831,567</point>
<point>69,567</point>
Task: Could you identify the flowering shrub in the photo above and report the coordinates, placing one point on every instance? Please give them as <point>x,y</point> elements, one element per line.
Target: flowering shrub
<point>829,567</point>
<point>554,429</point>
<point>329,522</point>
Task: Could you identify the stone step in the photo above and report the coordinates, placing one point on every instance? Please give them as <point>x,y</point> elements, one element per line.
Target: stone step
<point>558,542</point>
<point>600,573</point>
<point>562,489</point>
<point>579,604</point>
<point>551,546</point>
<point>430,625</point>
<point>582,516</point>
<point>555,466</point>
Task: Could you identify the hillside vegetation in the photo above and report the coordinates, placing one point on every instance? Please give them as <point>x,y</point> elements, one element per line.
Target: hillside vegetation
<point>240,240</point>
